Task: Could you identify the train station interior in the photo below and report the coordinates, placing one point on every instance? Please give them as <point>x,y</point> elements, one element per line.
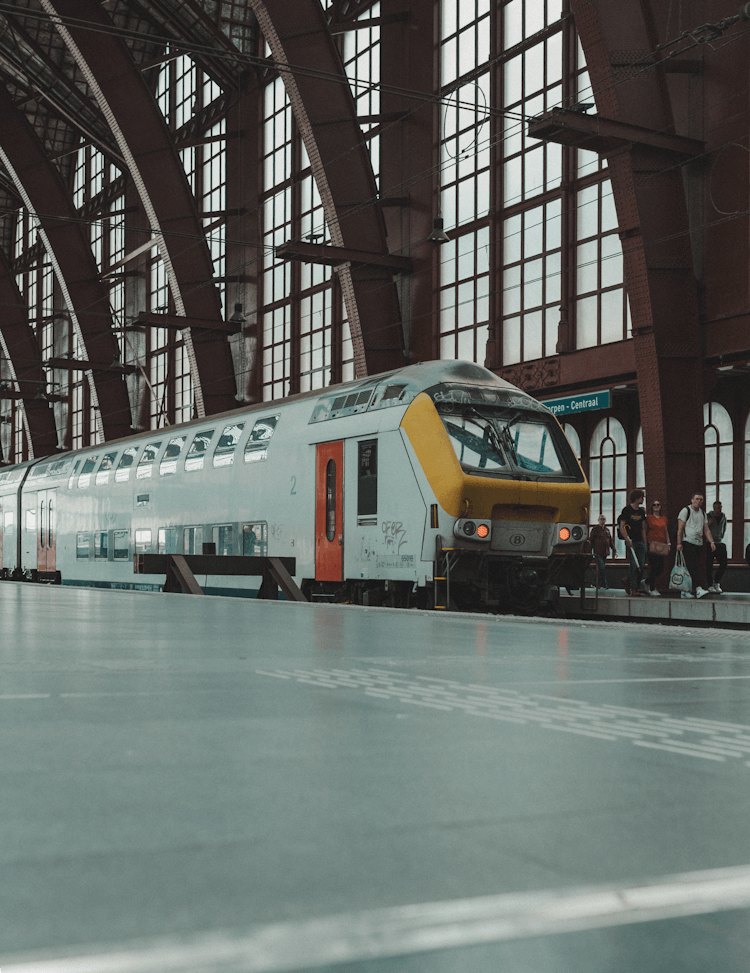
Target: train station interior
<point>211,205</point>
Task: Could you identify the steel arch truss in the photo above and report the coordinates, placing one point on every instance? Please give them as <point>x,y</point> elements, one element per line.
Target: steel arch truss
<point>41,187</point>
<point>147,146</point>
<point>324,109</point>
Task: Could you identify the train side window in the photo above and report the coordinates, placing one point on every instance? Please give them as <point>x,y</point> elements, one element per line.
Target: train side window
<point>122,473</point>
<point>197,452</point>
<point>83,542</point>
<point>223,538</point>
<point>331,500</point>
<point>101,545</point>
<point>85,478</point>
<point>255,540</point>
<point>143,540</point>
<point>72,478</point>
<point>224,452</point>
<point>367,478</point>
<point>256,447</point>
<point>167,540</point>
<point>192,540</point>
<point>121,545</point>
<point>107,463</point>
<point>168,463</point>
<point>8,520</point>
<point>146,462</point>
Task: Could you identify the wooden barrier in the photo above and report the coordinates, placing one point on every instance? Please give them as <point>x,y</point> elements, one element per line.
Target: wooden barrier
<point>180,571</point>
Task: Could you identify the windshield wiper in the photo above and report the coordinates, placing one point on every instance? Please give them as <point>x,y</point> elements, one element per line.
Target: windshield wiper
<point>507,438</point>
<point>490,432</point>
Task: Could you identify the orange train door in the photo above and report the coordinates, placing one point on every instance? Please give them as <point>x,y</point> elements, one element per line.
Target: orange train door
<point>329,512</point>
<point>46,543</point>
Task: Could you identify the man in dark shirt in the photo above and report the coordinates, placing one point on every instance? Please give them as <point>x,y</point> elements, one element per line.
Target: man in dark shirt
<point>632,526</point>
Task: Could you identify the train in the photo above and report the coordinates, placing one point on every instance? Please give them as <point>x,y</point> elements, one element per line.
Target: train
<point>436,485</point>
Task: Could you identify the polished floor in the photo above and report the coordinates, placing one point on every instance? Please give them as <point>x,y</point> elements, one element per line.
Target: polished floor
<point>207,783</point>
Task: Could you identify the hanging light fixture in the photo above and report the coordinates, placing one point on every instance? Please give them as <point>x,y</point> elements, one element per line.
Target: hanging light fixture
<point>438,234</point>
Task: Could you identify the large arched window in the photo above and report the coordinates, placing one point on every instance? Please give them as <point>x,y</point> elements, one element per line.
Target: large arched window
<point>573,438</point>
<point>718,437</point>
<point>640,469</point>
<point>608,472</point>
<point>747,483</point>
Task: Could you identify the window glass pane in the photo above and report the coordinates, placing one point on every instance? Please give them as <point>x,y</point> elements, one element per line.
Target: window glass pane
<point>198,447</point>
<point>167,540</point>
<point>193,540</point>
<point>146,462</point>
<point>255,540</point>
<point>143,541</point>
<point>223,539</point>
<point>224,452</point>
<point>256,447</point>
<point>367,482</point>
<point>85,478</point>
<point>168,463</point>
<point>126,461</point>
<point>612,327</point>
<point>121,545</point>
<point>82,545</point>
<point>101,549</point>
<point>586,322</point>
<point>108,461</point>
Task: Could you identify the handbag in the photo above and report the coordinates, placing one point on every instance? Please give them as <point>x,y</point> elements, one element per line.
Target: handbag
<point>679,579</point>
<point>658,547</point>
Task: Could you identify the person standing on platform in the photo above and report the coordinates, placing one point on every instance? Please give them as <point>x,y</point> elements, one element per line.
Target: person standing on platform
<point>658,544</point>
<point>693,527</point>
<point>601,544</point>
<point>717,525</point>
<point>632,526</point>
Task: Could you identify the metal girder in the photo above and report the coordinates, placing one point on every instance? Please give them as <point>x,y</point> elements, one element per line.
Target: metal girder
<point>22,350</point>
<point>652,214</point>
<point>323,253</point>
<point>321,100</point>
<point>40,184</point>
<point>159,178</point>
<point>31,68</point>
<point>606,136</point>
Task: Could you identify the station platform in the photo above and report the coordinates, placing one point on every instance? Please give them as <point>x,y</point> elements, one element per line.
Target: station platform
<point>232,785</point>
<point>731,609</point>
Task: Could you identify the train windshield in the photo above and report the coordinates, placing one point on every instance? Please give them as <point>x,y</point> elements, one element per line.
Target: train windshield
<point>508,441</point>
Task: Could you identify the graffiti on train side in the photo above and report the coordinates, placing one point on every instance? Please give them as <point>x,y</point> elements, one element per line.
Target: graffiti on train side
<point>395,535</point>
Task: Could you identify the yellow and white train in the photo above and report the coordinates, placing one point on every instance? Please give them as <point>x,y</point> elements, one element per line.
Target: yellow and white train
<point>438,485</point>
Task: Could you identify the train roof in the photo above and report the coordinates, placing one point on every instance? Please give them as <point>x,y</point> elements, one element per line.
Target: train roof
<point>411,380</point>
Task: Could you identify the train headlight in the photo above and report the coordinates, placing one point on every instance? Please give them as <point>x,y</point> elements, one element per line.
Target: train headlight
<point>577,533</point>
<point>474,530</point>
<point>564,534</point>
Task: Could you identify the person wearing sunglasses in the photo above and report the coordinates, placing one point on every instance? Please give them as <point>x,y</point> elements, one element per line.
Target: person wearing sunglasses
<point>658,545</point>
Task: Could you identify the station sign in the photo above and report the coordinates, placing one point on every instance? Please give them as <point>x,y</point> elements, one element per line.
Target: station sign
<point>573,404</point>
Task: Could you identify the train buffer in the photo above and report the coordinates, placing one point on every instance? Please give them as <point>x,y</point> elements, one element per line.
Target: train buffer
<point>180,571</point>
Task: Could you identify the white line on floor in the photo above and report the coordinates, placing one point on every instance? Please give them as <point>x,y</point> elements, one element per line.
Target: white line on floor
<point>400,931</point>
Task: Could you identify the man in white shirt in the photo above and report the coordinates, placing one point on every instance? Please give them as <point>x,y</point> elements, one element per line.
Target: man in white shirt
<point>692,526</point>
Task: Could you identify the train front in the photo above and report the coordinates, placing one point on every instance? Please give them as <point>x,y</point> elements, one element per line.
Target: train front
<point>510,521</point>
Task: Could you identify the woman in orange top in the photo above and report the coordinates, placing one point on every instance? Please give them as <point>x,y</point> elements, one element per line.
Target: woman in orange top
<point>656,531</point>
